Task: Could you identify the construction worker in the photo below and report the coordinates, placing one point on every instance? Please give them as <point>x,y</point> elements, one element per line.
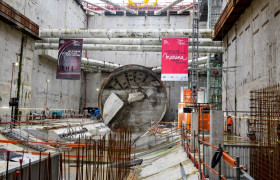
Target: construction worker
<point>278,134</point>
<point>229,124</point>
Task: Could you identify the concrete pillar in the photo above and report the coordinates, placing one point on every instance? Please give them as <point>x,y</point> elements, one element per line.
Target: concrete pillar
<point>194,127</point>
<point>216,137</point>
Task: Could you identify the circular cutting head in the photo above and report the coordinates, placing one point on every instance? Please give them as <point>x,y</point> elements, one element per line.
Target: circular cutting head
<point>132,96</point>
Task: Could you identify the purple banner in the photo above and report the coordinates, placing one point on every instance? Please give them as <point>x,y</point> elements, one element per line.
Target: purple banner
<point>69,59</point>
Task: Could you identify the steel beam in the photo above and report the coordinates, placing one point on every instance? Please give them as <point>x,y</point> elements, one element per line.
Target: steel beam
<point>100,7</point>
<point>121,7</point>
<point>158,12</point>
<point>183,10</point>
<point>95,12</point>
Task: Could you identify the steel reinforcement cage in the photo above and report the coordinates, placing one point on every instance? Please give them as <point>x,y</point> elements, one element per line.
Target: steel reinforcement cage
<point>265,125</point>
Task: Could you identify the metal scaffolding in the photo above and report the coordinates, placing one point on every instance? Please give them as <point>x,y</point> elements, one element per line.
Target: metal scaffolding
<point>195,53</point>
<point>215,73</point>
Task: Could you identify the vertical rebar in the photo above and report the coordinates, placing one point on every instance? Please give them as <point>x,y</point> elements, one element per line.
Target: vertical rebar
<point>50,166</point>
<point>78,160</point>
<point>64,167</point>
<point>7,168</point>
<point>40,159</point>
<point>220,165</point>
<point>45,169</point>
<point>60,166</point>
<point>89,156</point>
<point>237,168</point>
<point>82,168</point>
<point>68,164</point>
<point>194,147</point>
<point>86,148</point>
<point>29,170</point>
<point>21,170</point>
<point>199,159</point>
<point>203,141</point>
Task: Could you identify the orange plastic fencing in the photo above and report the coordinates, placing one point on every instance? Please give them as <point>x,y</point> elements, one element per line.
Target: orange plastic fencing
<point>55,143</point>
<point>213,170</point>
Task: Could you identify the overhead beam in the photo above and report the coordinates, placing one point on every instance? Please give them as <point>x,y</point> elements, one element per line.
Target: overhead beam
<point>121,7</point>
<point>132,41</point>
<point>158,12</point>
<point>100,7</point>
<point>184,10</point>
<point>144,48</point>
<point>95,12</point>
<point>122,33</point>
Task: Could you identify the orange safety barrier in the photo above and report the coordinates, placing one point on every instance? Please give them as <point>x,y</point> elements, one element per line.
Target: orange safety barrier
<point>31,152</point>
<point>229,160</point>
<point>55,143</point>
<point>213,170</point>
<point>84,156</point>
<point>8,141</point>
<point>86,145</point>
<point>66,155</point>
<point>207,143</point>
<point>161,122</point>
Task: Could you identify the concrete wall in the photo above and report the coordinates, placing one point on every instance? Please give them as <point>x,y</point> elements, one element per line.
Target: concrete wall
<point>35,69</point>
<point>93,82</point>
<point>149,59</point>
<point>10,52</point>
<point>252,45</point>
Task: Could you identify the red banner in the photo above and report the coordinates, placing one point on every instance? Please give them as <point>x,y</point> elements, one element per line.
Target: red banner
<point>174,61</point>
<point>69,59</point>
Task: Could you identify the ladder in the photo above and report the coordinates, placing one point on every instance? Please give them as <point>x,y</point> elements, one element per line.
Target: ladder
<point>195,54</point>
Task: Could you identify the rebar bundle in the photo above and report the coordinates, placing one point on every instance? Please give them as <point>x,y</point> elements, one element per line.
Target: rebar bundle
<point>265,125</point>
<point>107,158</point>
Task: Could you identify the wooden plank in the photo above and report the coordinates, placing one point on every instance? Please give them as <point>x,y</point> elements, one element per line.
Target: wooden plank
<point>11,16</point>
<point>231,13</point>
